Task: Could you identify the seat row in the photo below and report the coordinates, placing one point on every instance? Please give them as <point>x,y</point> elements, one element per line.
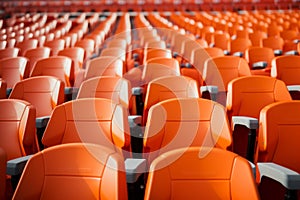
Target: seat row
<point>148,5</point>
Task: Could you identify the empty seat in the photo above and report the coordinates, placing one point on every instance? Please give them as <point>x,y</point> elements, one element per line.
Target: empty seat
<point>277,149</point>
<point>13,70</point>
<point>152,53</point>
<point>60,67</point>
<point>55,45</point>
<point>115,88</point>
<point>275,43</point>
<point>9,52</point>
<point>88,45</point>
<point>198,58</point>
<point>35,54</point>
<point>200,173</point>
<point>44,92</point>
<point>287,69</point>
<point>239,46</point>
<point>219,71</point>
<point>114,51</point>
<point>76,54</point>
<point>17,124</point>
<point>184,122</point>
<point>3,44</point>
<point>168,87</point>
<point>26,45</point>
<point>89,120</point>
<point>74,171</point>
<point>259,60</point>
<point>246,96</point>
<point>104,66</point>
<point>160,67</point>
<point>257,37</point>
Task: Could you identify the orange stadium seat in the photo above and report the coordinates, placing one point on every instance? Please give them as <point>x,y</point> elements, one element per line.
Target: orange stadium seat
<point>94,171</point>
<point>200,173</point>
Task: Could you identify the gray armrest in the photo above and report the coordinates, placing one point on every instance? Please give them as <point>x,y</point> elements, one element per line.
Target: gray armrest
<point>238,54</point>
<point>209,88</point>
<point>134,169</point>
<point>70,90</point>
<point>212,89</point>
<point>296,41</point>
<point>253,167</point>
<point>278,52</point>
<point>288,178</point>
<point>134,120</point>
<point>249,122</point>
<point>292,52</point>
<point>293,88</point>
<point>260,65</point>
<point>188,65</point>
<point>252,125</point>
<point>175,54</point>
<point>16,166</point>
<point>226,52</point>
<point>135,56</point>
<point>41,122</point>
<point>8,91</point>
<point>137,91</point>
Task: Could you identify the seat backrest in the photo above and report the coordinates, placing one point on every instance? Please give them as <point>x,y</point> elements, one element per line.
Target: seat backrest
<point>117,42</point>
<point>27,44</point>
<point>239,45</point>
<point>17,124</point>
<point>94,171</point>
<point>287,69</point>
<point>155,70</point>
<point>190,45</point>
<point>153,53</point>
<point>288,34</point>
<point>222,40</point>
<point>76,54</point>
<point>200,55</point>
<point>89,120</point>
<point>220,70</point>
<point>256,38</point>
<point>104,66</point>
<point>35,54</point>
<point>60,67</point>
<point>43,92</point>
<point>170,62</point>
<point>179,40</point>
<point>3,44</point>
<point>168,87</point>
<point>259,54</point>
<point>114,51</point>
<point>247,95</point>
<point>88,45</point>
<point>185,122</point>
<point>9,52</point>
<point>275,43</point>
<point>200,173</point>
<point>55,45</point>
<point>11,42</point>
<point>13,70</point>
<point>278,139</point>
<point>114,88</point>
<point>155,44</point>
